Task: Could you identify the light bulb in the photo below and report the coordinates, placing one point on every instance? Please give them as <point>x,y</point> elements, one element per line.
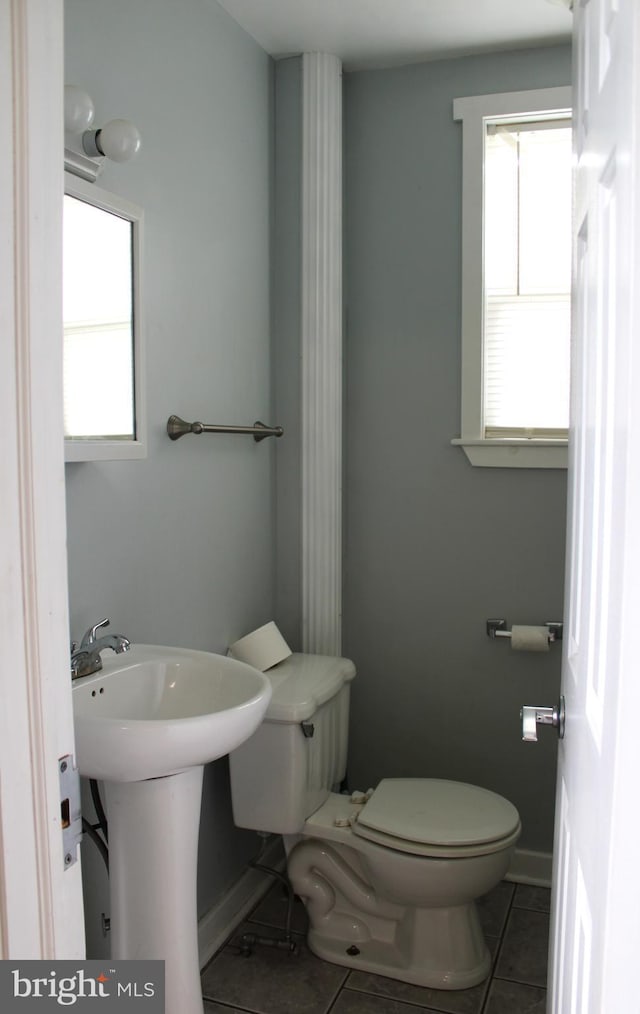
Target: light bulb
<point>78,109</point>
<point>119,140</point>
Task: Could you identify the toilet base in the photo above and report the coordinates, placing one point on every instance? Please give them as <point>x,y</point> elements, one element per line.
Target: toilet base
<point>435,941</point>
<point>448,951</point>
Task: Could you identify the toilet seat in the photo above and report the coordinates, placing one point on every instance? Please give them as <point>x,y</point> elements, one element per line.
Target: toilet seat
<point>438,818</point>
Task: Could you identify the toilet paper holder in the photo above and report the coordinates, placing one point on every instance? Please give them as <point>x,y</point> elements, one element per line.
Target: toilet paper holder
<point>498,628</point>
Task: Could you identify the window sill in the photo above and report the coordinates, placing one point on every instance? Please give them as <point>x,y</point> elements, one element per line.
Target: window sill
<point>514,453</point>
<point>103,450</point>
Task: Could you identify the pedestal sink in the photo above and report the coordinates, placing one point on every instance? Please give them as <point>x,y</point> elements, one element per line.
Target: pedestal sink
<point>145,725</point>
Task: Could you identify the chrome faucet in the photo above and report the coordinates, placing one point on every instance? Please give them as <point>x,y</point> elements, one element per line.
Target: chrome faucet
<point>85,658</point>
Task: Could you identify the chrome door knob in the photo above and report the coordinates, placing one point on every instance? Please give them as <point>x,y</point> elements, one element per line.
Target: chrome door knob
<point>532,717</point>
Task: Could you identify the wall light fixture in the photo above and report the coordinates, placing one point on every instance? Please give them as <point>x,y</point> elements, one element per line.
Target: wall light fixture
<point>118,140</point>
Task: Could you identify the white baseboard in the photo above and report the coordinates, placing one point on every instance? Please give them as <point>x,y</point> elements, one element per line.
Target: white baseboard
<point>530,868</point>
<point>221,920</point>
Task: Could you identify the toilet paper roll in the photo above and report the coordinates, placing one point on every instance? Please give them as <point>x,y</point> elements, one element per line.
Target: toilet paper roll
<point>529,638</point>
<point>262,648</point>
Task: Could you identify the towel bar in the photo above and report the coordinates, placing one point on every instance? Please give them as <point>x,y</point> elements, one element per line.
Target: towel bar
<point>177,427</point>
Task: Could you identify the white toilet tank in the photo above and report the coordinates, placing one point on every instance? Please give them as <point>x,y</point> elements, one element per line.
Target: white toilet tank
<point>286,770</point>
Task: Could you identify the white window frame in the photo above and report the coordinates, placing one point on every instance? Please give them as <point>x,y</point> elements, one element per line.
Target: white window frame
<point>101,449</point>
<point>474,112</point>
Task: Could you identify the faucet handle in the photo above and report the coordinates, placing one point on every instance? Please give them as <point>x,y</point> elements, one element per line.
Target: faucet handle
<point>89,636</point>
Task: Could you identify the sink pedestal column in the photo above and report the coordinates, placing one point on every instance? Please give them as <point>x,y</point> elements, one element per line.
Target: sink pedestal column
<point>153,853</point>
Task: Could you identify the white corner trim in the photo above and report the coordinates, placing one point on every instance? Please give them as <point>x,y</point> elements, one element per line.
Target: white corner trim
<point>321,353</point>
<point>222,919</point>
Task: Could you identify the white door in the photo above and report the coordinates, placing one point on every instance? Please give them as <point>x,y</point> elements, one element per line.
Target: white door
<point>40,894</point>
<point>595,946</point>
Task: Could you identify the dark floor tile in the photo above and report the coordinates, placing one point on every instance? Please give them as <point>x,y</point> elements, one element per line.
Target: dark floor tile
<point>363,1003</point>
<point>493,944</point>
<point>272,910</point>
<point>270,980</point>
<point>523,956</point>
<point>537,898</point>
<point>493,908</point>
<point>219,1008</point>
<point>514,998</point>
<point>459,1001</point>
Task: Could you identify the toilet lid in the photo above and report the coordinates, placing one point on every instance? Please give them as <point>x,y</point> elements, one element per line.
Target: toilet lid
<point>434,812</point>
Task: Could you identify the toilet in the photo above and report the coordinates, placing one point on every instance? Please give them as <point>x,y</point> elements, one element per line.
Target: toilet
<point>389,877</point>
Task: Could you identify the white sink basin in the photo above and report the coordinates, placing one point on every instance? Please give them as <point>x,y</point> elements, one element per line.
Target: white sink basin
<point>154,711</point>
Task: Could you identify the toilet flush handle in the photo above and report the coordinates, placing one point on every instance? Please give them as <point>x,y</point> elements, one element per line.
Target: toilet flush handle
<point>532,717</point>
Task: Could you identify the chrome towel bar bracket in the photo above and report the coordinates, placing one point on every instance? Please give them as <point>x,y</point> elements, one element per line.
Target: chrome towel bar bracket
<point>177,427</point>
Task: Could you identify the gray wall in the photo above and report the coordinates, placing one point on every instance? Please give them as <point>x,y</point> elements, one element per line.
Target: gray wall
<point>433,547</point>
<point>178,548</point>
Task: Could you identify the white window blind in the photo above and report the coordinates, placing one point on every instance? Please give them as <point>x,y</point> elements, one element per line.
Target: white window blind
<point>527,278</point>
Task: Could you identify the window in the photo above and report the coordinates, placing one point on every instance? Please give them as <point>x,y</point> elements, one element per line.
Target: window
<point>104,412</point>
<point>98,324</point>
<point>516,269</point>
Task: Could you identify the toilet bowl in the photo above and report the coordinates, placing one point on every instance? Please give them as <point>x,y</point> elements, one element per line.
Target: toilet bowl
<point>397,906</point>
<point>389,877</point>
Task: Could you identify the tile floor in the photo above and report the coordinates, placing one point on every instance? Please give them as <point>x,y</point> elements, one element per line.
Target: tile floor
<point>270,981</point>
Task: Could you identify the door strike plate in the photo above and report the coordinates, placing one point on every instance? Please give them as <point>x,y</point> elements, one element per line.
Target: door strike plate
<point>70,809</point>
